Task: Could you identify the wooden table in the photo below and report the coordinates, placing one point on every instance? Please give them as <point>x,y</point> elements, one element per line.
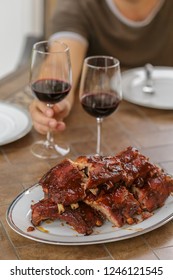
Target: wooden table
<point>149,130</point>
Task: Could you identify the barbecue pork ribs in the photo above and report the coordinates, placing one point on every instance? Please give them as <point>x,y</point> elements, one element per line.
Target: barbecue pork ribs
<point>86,192</point>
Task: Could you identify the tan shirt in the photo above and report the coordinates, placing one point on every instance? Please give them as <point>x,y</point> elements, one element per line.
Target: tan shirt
<point>106,33</point>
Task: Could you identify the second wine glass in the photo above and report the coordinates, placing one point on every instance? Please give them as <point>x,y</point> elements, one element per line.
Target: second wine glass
<point>50,80</point>
<point>100,89</point>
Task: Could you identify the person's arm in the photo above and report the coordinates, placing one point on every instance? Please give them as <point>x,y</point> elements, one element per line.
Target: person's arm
<point>45,118</point>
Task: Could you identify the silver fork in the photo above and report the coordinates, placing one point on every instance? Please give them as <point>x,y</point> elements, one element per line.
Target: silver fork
<point>148,87</point>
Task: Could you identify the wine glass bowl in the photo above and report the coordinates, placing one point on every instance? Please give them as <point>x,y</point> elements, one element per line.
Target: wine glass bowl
<point>50,81</point>
<point>100,89</point>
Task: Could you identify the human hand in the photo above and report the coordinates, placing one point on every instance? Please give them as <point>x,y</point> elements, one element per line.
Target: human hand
<point>45,118</point>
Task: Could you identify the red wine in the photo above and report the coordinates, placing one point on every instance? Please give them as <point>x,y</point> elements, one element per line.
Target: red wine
<point>100,105</point>
<point>50,90</point>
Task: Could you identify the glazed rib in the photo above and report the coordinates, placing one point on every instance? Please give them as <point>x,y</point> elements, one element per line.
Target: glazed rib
<point>118,205</point>
<point>63,183</point>
<point>99,170</point>
<point>135,165</point>
<point>43,210</point>
<point>82,219</point>
<point>154,192</point>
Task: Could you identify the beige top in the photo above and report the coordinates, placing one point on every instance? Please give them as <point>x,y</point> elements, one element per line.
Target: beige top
<point>100,25</point>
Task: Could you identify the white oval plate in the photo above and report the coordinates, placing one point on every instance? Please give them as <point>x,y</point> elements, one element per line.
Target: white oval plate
<point>59,233</point>
<point>15,123</point>
<point>133,81</point>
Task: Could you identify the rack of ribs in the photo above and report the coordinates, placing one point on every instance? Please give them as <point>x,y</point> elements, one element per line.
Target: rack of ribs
<point>92,189</point>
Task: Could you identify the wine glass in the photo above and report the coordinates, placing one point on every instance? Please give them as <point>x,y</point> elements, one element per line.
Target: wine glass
<point>100,89</point>
<point>50,81</point>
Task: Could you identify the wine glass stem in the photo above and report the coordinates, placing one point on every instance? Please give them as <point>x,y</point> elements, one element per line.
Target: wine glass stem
<point>99,133</point>
<point>49,136</point>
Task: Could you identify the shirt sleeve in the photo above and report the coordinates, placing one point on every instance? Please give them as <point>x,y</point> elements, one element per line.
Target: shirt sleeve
<point>69,35</point>
<point>70,18</point>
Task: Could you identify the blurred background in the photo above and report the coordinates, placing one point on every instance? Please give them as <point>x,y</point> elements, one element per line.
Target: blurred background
<point>22,22</point>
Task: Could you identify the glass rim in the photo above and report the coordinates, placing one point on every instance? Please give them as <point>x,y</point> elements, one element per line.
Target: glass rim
<point>116,62</point>
<point>47,42</point>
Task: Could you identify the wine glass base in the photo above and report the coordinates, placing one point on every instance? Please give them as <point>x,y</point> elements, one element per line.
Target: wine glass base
<point>45,150</point>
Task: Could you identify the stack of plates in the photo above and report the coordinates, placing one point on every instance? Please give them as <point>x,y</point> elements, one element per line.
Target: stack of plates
<point>134,80</point>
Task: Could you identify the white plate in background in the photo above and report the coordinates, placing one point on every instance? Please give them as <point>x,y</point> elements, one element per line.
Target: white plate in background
<point>15,123</point>
<point>133,81</point>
